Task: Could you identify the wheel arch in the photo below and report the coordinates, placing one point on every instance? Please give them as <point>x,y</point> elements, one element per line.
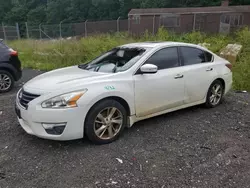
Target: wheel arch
<point>223,84</point>
<point>89,132</point>
<point>9,69</point>
<point>121,100</point>
<point>207,100</point>
<point>222,81</point>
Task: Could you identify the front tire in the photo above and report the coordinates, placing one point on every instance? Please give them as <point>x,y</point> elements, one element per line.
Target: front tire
<point>105,122</point>
<point>6,81</point>
<point>215,94</point>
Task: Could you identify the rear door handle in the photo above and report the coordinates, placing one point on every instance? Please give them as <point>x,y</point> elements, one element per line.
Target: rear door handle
<point>178,76</point>
<point>209,69</point>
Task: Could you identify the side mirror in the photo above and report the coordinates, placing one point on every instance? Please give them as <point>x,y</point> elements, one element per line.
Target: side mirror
<point>148,69</point>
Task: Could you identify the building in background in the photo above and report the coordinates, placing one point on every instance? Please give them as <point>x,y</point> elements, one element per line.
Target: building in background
<point>223,19</point>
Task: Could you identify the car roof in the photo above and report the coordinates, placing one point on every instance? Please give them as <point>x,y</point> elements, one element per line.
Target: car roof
<point>156,44</point>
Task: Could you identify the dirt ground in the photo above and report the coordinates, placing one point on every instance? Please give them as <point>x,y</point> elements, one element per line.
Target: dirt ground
<point>195,147</point>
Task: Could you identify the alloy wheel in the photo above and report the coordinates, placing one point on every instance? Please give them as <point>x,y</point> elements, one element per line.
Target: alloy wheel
<point>216,94</point>
<point>5,82</point>
<point>108,123</point>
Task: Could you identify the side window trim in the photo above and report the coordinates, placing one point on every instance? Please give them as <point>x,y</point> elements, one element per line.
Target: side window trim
<point>180,56</point>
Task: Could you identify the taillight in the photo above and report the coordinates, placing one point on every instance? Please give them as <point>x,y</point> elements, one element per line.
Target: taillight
<point>13,53</point>
<point>230,66</point>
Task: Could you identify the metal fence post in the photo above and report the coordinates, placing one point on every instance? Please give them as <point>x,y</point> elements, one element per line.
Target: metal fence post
<point>4,32</point>
<point>128,24</point>
<point>194,22</point>
<point>60,29</point>
<point>17,31</point>
<point>40,31</point>
<point>27,30</point>
<point>118,24</point>
<point>154,25</point>
<point>86,32</point>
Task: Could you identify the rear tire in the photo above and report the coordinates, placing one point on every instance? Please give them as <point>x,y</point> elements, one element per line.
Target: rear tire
<point>6,81</point>
<point>215,94</point>
<point>105,122</point>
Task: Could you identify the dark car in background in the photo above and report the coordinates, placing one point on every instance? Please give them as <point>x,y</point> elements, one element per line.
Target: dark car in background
<point>10,67</point>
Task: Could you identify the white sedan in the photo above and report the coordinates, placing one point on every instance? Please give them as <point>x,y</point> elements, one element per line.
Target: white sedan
<point>127,84</point>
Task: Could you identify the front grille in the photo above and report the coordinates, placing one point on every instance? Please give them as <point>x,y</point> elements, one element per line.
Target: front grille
<point>25,98</point>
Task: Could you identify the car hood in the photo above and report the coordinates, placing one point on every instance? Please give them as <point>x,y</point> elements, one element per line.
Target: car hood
<point>64,77</point>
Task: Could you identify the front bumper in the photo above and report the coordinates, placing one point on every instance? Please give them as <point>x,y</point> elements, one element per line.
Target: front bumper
<point>33,118</point>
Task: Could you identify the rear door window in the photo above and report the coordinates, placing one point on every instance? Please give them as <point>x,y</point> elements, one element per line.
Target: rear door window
<point>209,56</point>
<point>192,56</point>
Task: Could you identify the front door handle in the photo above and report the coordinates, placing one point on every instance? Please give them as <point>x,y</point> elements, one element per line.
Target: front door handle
<point>209,69</point>
<point>178,76</point>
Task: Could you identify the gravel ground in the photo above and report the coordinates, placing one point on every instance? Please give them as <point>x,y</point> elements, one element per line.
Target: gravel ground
<point>195,147</point>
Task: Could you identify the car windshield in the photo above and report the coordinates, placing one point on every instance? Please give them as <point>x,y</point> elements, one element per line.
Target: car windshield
<point>116,60</point>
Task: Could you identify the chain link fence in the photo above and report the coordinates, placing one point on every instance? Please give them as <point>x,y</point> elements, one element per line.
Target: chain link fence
<point>9,32</point>
<point>83,29</point>
<point>136,25</point>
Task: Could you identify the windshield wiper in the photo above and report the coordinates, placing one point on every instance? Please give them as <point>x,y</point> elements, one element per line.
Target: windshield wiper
<point>82,66</point>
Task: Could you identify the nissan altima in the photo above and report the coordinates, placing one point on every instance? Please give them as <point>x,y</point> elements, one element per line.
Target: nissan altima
<point>127,84</point>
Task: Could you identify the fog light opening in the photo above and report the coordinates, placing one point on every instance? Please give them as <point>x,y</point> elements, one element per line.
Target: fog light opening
<point>54,128</point>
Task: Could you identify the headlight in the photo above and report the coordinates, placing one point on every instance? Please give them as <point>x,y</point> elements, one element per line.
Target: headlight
<point>20,94</point>
<point>67,100</point>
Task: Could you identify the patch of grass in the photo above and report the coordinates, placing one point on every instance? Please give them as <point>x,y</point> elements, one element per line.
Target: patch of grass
<point>241,69</point>
<point>49,55</point>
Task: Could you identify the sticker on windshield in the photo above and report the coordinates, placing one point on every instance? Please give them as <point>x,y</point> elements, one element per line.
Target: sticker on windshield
<point>109,87</point>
